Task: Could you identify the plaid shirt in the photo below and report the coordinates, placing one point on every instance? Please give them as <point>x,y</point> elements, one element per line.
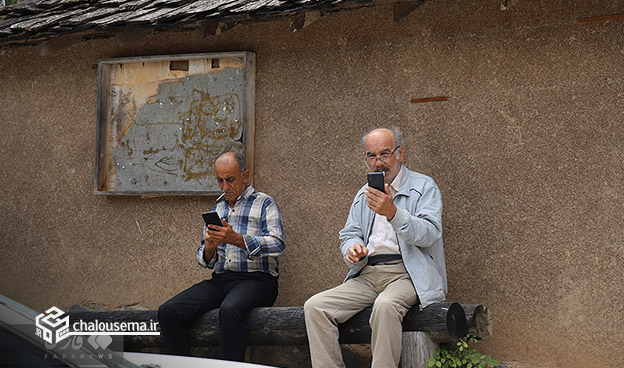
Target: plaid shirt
<point>256,216</point>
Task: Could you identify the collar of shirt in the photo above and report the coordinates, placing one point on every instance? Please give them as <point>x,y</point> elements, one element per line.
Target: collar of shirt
<point>244,195</point>
<point>396,183</point>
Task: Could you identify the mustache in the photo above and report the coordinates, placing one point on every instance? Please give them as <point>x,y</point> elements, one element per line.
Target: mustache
<point>382,168</point>
<point>220,198</point>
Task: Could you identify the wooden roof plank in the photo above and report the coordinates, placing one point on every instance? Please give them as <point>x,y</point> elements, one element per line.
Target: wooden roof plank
<point>168,3</point>
<point>112,2</point>
<point>138,4</point>
<point>89,16</point>
<point>7,23</point>
<point>197,7</point>
<point>54,19</point>
<point>252,6</point>
<point>151,15</point>
<point>24,23</point>
<point>121,17</point>
<point>48,4</point>
<point>136,17</point>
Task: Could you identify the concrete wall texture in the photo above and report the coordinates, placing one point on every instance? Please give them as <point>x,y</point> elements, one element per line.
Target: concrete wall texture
<point>528,154</point>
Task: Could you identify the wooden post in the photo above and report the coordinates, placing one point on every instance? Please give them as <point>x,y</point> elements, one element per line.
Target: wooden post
<point>479,320</point>
<point>417,349</point>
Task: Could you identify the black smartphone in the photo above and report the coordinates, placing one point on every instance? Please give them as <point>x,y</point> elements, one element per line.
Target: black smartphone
<point>212,218</point>
<point>376,180</point>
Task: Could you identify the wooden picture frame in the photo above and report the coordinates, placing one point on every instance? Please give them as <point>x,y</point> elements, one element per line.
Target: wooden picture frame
<point>162,120</point>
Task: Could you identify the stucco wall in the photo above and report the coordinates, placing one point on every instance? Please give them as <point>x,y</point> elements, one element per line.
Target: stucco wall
<point>527,153</point>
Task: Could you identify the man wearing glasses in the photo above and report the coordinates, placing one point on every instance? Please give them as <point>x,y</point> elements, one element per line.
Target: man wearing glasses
<point>392,245</point>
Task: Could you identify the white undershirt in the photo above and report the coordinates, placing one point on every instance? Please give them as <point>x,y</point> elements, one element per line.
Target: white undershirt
<point>383,239</point>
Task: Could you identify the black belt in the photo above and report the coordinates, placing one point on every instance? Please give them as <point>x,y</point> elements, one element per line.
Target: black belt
<point>383,258</point>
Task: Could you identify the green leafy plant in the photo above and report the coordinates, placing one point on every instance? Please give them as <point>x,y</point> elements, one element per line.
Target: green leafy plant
<point>460,355</point>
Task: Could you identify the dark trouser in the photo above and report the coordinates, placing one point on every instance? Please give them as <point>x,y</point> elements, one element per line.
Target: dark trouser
<point>235,293</point>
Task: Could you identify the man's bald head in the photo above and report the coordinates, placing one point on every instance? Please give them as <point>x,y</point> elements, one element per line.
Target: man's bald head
<point>396,135</point>
<point>230,158</point>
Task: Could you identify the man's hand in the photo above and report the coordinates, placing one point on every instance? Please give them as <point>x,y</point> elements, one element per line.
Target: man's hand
<point>210,246</point>
<point>224,234</point>
<point>356,252</point>
<point>210,243</point>
<point>381,202</point>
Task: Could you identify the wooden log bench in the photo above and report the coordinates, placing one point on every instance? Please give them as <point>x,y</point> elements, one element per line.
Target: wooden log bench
<point>423,330</point>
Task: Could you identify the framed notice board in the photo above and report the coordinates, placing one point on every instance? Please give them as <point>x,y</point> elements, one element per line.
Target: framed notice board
<point>162,121</point>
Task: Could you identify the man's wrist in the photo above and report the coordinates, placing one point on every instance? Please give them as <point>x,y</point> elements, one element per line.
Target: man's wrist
<point>239,240</point>
<point>393,212</point>
<point>208,254</point>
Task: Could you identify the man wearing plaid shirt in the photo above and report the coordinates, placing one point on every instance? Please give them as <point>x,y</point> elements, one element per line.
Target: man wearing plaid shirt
<point>243,254</point>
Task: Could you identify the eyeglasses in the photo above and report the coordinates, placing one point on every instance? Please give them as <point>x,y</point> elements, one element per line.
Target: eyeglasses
<point>383,156</point>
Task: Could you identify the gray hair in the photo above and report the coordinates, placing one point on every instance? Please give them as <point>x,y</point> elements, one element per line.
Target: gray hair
<point>242,163</point>
<point>396,134</point>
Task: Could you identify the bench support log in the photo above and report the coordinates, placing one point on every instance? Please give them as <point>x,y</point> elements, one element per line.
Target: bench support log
<point>479,319</point>
<point>417,349</point>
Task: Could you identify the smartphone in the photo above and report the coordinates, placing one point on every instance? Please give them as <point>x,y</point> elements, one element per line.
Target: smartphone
<point>212,218</point>
<point>376,180</point>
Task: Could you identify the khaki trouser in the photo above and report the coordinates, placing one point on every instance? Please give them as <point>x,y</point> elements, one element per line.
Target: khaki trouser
<point>391,292</point>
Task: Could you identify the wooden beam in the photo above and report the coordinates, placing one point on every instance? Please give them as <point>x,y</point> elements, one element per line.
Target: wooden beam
<point>53,45</point>
<point>444,322</point>
<point>507,4</point>
<point>600,19</point>
<point>403,9</point>
<point>215,28</point>
<point>304,19</point>
<point>132,35</point>
<point>430,99</point>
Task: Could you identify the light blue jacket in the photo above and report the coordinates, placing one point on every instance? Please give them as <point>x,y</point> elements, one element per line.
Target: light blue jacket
<point>418,226</point>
